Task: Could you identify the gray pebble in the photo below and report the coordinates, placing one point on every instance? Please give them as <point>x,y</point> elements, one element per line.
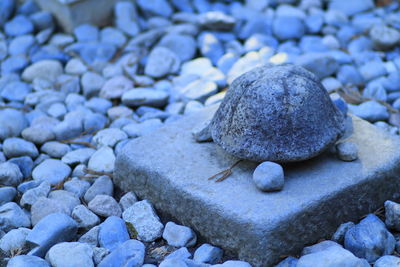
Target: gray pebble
<point>16,147</point>
<point>269,176</point>
<point>45,206</point>
<point>102,160</point>
<point>387,261</point>
<point>208,254</point>
<point>7,194</point>
<point>105,206</point>
<point>68,254</point>
<point>55,149</point>
<point>108,137</point>
<point>85,218</point>
<point>32,195</point>
<point>392,214</point>
<point>78,156</point>
<point>179,235</point>
<point>101,186</point>
<point>369,239</point>
<point>347,151</point>
<point>14,239</point>
<point>77,186</point>
<point>51,170</point>
<point>10,174</point>
<point>338,236</point>
<point>27,260</point>
<point>144,97</point>
<point>161,62</point>
<point>91,237</point>
<point>12,216</point>
<point>52,229</point>
<point>127,200</point>
<point>144,219</point>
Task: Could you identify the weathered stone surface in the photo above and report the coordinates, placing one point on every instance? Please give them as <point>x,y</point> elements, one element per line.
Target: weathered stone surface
<point>73,13</point>
<point>170,169</point>
<point>276,113</point>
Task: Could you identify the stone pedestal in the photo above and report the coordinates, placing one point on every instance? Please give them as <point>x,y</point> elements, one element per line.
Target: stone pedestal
<point>170,169</point>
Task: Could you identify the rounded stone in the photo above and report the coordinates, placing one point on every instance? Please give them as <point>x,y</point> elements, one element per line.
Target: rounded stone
<point>276,113</point>
<point>268,176</point>
<point>347,151</point>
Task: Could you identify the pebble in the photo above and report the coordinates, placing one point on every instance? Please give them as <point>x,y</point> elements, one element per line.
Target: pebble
<point>112,233</point>
<point>129,253</point>
<point>288,27</point>
<point>84,217</point>
<point>115,87</point>
<point>369,239</point>
<point>347,151</point>
<point>52,229</point>
<point>180,253</point>
<point>44,69</point>
<point>233,263</point>
<point>356,6</point>
<point>32,195</point>
<point>6,9</point>
<point>392,215</point>
<point>16,147</point>
<point>384,37</point>
<point>144,97</point>
<point>51,170</point>
<point>288,262</point>
<point>78,156</point>
<point>109,137</point>
<point>68,254</point>
<point>68,199</point>
<point>105,206</point>
<point>92,83</point>
<point>127,200</point>
<point>184,46</point>
<point>207,253</point>
<point>13,122</point>
<point>155,7</point>
<point>144,220</point>
<point>7,194</point>
<point>27,260</point>
<point>179,235</point>
<point>161,62</point>
<point>12,216</point>
<point>338,236</point>
<point>143,128</point>
<point>91,236</point>
<point>101,186</point>
<point>55,149</point>
<point>99,254</point>
<point>372,70</point>
<point>371,111</point>
<point>102,160</point>
<point>10,174</point>
<point>16,91</point>
<point>14,239</point>
<point>19,25</point>
<point>321,64</point>
<point>269,176</point>
<point>387,261</point>
<point>45,206</point>
<point>77,186</point>
<point>333,256</point>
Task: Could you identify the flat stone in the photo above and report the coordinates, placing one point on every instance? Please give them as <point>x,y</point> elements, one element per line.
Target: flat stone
<point>70,14</point>
<point>318,195</point>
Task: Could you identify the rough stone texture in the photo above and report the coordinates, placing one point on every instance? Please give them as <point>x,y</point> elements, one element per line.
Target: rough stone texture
<point>318,196</point>
<point>279,113</point>
<point>70,15</point>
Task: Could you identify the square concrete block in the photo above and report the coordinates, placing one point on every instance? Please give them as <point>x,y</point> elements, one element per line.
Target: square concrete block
<point>170,169</point>
<point>71,13</point>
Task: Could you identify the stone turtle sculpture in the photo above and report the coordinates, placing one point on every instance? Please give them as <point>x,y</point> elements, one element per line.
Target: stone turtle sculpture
<point>278,113</point>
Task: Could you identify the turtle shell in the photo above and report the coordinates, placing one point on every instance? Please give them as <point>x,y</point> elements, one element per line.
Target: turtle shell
<point>278,113</point>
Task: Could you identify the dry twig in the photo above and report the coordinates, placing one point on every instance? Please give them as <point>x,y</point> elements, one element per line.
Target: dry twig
<point>225,173</point>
